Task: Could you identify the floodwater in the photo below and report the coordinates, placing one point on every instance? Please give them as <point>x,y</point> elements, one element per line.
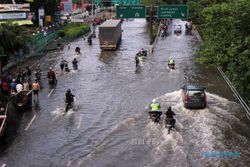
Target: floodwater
<point>109,124</point>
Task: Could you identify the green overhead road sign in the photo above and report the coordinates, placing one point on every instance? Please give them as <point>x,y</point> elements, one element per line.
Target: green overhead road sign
<point>130,11</point>
<point>172,12</point>
<point>125,2</point>
<point>97,2</point>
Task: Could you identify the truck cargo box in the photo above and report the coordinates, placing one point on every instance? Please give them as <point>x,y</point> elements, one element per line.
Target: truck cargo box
<point>110,34</point>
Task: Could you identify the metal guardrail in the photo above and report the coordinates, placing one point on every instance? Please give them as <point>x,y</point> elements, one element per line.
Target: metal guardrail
<point>237,95</point>
<point>4,120</point>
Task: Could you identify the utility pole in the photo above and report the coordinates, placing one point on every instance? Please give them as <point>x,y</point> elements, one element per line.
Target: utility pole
<point>151,24</point>
<point>92,8</point>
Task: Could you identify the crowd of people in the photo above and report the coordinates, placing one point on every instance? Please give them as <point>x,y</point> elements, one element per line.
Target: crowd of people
<point>11,84</point>
<point>164,27</point>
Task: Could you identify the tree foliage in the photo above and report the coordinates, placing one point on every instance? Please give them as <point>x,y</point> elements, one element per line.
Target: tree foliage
<point>225,29</point>
<point>12,38</point>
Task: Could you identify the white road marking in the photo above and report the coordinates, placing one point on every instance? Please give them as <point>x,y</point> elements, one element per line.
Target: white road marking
<point>69,163</point>
<point>28,126</point>
<point>3,165</point>
<point>79,122</point>
<point>79,163</point>
<point>51,92</point>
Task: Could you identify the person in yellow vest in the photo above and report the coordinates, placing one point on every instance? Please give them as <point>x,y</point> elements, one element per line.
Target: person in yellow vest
<point>171,62</point>
<point>155,109</point>
<point>35,88</point>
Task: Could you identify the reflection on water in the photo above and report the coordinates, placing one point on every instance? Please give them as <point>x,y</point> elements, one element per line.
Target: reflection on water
<point>110,126</point>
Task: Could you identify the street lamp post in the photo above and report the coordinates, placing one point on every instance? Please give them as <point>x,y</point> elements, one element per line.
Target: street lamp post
<point>92,8</point>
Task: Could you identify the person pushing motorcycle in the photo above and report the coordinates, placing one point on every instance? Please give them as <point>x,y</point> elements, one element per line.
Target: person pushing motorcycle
<point>170,115</point>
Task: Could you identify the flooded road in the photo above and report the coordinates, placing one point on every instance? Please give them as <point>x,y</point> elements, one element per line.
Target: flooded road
<point>109,125</point>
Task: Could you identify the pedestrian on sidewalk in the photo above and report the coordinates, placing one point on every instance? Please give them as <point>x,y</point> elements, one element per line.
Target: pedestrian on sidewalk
<point>19,87</point>
<point>35,88</point>
<point>13,85</point>
<point>28,73</point>
<point>5,90</point>
<point>26,86</point>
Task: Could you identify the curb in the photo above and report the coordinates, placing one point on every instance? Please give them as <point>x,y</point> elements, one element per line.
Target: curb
<point>197,34</point>
<point>151,47</point>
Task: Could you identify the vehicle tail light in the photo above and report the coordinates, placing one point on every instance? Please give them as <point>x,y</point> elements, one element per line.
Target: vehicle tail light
<point>186,98</point>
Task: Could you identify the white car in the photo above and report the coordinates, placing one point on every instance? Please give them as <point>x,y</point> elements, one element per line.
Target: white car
<point>177,29</point>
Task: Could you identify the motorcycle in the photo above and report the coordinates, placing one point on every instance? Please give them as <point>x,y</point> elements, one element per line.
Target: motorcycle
<point>52,81</point>
<point>66,67</point>
<point>171,66</point>
<point>163,34</point>
<point>189,28</point>
<point>155,116</point>
<point>93,35</point>
<point>69,104</point>
<point>90,41</point>
<point>169,124</point>
<point>75,66</point>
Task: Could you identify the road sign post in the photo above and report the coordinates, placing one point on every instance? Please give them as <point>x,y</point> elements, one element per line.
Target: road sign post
<point>172,12</point>
<point>130,11</point>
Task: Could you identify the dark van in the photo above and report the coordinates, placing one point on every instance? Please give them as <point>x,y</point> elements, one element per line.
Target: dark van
<point>194,96</point>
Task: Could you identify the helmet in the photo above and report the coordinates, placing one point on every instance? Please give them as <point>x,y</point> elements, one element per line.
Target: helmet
<point>50,68</point>
<point>154,100</point>
<point>170,57</point>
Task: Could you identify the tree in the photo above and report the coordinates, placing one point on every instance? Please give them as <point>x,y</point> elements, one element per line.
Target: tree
<point>225,29</point>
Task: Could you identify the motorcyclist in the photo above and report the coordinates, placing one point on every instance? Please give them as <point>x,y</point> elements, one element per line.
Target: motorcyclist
<point>142,52</point>
<point>51,74</point>
<point>90,40</point>
<point>78,50</point>
<point>38,72</point>
<point>171,61</point>
<point>62,64</point>
<point>74,63</point>
<point>69,96</point>
<point>38,68</point>
<point>137,60</point>
<point>170,114</point>
<point>155,109</point>
<point>93,34</point>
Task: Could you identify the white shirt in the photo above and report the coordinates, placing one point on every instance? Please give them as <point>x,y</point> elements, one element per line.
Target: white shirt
<point>19,87</point>
<point>26,86</point>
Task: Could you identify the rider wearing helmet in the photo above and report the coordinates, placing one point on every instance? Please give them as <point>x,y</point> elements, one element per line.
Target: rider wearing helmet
<point>171,60</point>
<point>137,60</point>
<point>77,50</point>
<point>170,114</point>
<point>155,108</point>
<point>142,52</point>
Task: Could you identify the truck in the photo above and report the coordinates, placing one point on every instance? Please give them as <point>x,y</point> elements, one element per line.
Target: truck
<point>110,34</point>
